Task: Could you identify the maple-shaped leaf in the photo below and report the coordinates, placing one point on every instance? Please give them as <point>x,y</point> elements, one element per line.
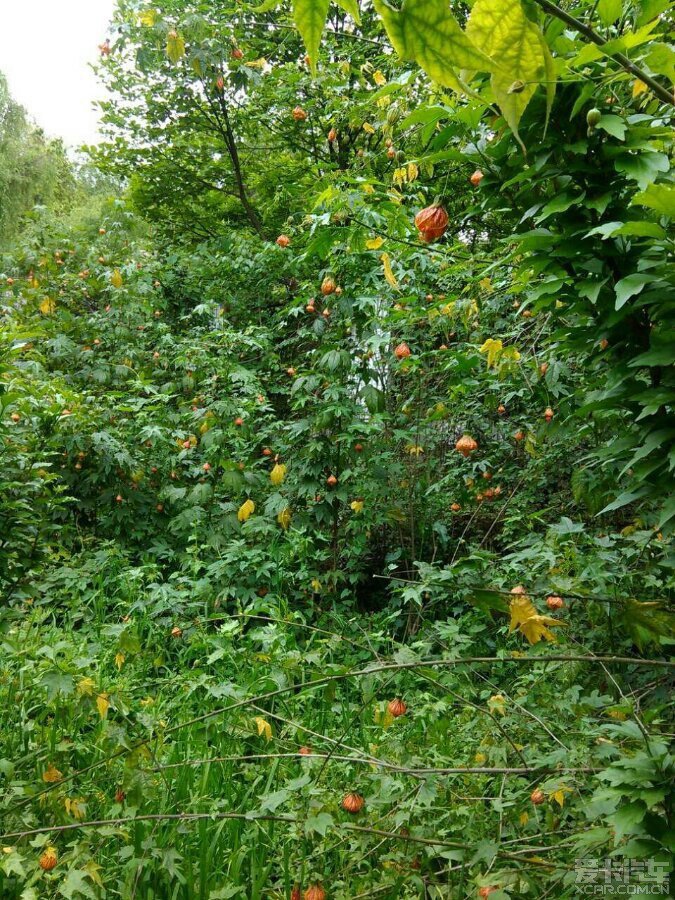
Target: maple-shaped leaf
<point>529,622</point>
<point>51,774</point>
<point>102,704</point>
<point>264,727</point>
<point>246,510</point>
<point>284,518</point>
<point>278,474</point>
<point>388,273</point>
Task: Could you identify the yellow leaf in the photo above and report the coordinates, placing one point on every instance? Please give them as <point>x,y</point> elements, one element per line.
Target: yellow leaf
<point>559,798</point>
<point>374,243</point>
<point>116,279</point>
<point>51,774</point>
<point>246,510</point>
<point>496,704</point>
<point>278,474</point>
<point>175,46</point>
<point>533,626</point>
<point>34,283</point>
<point>284,518</point>
<point>379,78</point>
<point>493,349</point>
<point>639,87</point>
<point>257,63</point>
<point>74,808</point>
<point>368,128</point>
<point>524,818</point>
<point>47,306</point>
<point>148,17</point>
<point>480,759</point>
<point>102,704</point>
<point>264,727</point>
<point>316,585</point>
<point>357,506</point>
<point>93,870</point>
<point>368,189</point>
<point>486,285</point>
<point>400,175</point>
<point>85,687</point>
<point>415,450</point>
<point>388,274</point>
<point>119,660</point>
<point>413,171</point>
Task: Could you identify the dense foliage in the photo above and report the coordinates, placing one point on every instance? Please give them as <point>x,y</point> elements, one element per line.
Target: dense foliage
<point>336,460</point>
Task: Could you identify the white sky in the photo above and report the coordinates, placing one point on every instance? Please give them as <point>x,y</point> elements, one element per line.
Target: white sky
<point>45,49</point>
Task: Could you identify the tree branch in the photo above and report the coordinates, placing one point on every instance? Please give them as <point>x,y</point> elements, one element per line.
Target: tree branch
<point>657,89</point>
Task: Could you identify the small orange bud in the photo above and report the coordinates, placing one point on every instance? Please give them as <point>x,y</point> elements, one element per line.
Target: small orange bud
<point>397,707</point>
<point>352,803</point>
<point>49,859</point>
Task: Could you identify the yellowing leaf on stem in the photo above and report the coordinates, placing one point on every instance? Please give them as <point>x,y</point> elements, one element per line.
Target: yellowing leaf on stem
<point>368,128</point>
<point>388,273</point>
<point>116,279</point>
<point>48,306</point>
<point>356,506</point>
<point>86,687</point>
<point>102,704</point>
<point>639,87</point>
<point>497,704</point>
<point>374,243</point>
<point>175,46</point>
<point>284,518</point>
<point>278,474</point>
<point>246,510</point>
<point>493,348</point>
<point>74,807</point>
<point>264,727</point>
<point>379,78</point>
<point>119,660</point>
<point>413,171</point>
<point>559,795</point>
<point>527,620</point>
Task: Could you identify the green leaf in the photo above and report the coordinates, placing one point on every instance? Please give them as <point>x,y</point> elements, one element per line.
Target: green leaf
<point>426,32</point>
<point>351,7</point>
<point>609,11</point>
<point>319,823</point>
<point>310,18</point>
<point>643,168</point>
<point>623,500</point>
<point>630,286</point>
<point>660,197</point>
<point>613,125</point>
<point>502,30</point>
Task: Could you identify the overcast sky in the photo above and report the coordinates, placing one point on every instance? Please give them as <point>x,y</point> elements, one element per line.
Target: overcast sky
<point>45,49</point>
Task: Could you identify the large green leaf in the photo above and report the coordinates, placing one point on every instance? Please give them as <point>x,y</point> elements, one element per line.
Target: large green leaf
<point>502,30</point>
<point>426,32</point>
<point>351,7</point>
<point>310,18</point>
<point>660,197</point>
